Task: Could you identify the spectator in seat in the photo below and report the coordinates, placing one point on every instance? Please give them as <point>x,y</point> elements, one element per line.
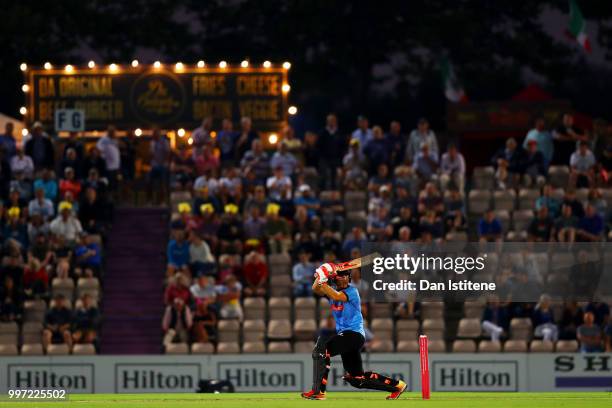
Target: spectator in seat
<point>397,142</point>
<point>284,159</point>
<point>204,322</point>
<point>86,321</point>
<point>36,278</point>
<point>425,164</point>
<point>69,184</point>
<point>226,141</point>
<point>508,163</point>
<point>535,165</point>
<point>422,134</point>
<point>589,335</point>
<point>15,227</point>
<point>570,199</point>
<point>255,272</point>
<point>92,212</point>
<point>565,225</point>
<point>454,218</point>
<point>178,287</point>
<point>20,189</point>
<point>582,166</point>
<point>202,197</point>
<point>58,322</point>
<point>7,140</point>
<point>302,274</point>
<point>230,231</point>
<point>73,161</point>
<point>37,227</point>
<point>543,140</point>
<point>93,161</point>
<point>452,169</point>
<point>430,199</point>
<point>75,143</point>
<point>11,300</point>
<point>47,182</point>
<point>363,134</point>
<point>257,160</point>
<point>178,254</point>
<point>546,199</point>
<point>308,200</point>
<point>566,136</point>
<point>353,240</point>
<point>66,224</point>
<point>202,261</point>
<point>601,311</point>
<point>405,220</point>
<point>88,257</point>
<point>276,229</point>
<point>377,149</point>
<point>228,295</point>
<point>203,290</point>
<point>259,199</point>
<point>40,148</point>
<point>495,319</point>
<point>22,163</point>
<point>490,228</point>
<point>207,162</point>
<point>540,228</point>
<point>277,183</point>
<point>379,180</point>
<point>94,181</point>
<point>353,164</point>
<point>41,204</point>
<point>378,223</point>
<point>329,147</point>
<point>596,199</point>
<point>177,322</point>
<point>591,226</point>
<point>182,168</point>
<point>431,224</point>
<point>572,318</point>
<point>543,320</point>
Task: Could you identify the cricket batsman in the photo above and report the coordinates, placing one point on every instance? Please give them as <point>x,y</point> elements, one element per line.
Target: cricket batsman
<point>348,340</point>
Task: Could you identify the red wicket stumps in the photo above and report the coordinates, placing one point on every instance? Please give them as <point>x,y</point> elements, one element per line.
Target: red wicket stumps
<point>424,356</point>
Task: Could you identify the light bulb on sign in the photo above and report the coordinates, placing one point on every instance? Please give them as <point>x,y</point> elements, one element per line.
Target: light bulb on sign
<point>157,64</point>
<point>180,132</point>
<point>190,141</point>
<point>138,132</point>
<point>91,64</point>
<point>134,63</point>
<point>178,66</point>
<point>286,65</point>
<point>273,138</point>
<point>267,64</point>
<point>244,64</point>
<point>24,132</point>
<point>223,65</point>
<point>69,68</point>
<point>201,64</point>
<point>286,88</point>
<point>47,65</point>
<point>23,110</point>
<point>113,67</point>
<point>292,110</point>
<point>23,66</point>
<point>25,87</point>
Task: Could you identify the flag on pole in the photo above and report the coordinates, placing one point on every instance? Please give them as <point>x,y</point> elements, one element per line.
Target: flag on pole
<point>452,88</point>
<point>577,26</point>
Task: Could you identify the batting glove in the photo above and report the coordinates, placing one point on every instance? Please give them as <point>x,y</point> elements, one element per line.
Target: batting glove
<point>324,272</point>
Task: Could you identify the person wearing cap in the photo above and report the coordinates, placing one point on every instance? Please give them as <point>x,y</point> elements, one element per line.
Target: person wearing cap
<point>353,165</point>
<point>582,164</point>
<point>284,158</point>
<point>278,182</point>
<point>277,230</point>
<point>543,139</point>
<point>20,162</point>
<point>40,147</point>
<point>66,224</point>
<point>363,133</point>
<point>7,140</point>
<point>535,165</point>
<point>41,205</point>
<point>422,134</point>
<point>15,227</point>
<point>307,199</point>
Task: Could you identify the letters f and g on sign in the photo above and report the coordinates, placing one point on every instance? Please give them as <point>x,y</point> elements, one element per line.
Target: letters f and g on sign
<point>70,120</point>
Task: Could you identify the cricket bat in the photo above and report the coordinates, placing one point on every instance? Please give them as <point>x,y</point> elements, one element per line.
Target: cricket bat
<point>358,262</point>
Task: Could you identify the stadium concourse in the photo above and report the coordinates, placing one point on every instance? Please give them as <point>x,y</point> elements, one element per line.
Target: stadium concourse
<point>249,226</point>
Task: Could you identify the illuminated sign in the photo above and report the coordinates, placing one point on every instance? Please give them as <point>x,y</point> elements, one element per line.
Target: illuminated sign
<point>175,96</point>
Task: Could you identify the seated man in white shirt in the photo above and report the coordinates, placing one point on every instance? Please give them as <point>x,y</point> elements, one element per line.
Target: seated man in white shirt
<point>277,183</point>
<point>66,224</point>
<point>452,168</point>
<point>22,163</point>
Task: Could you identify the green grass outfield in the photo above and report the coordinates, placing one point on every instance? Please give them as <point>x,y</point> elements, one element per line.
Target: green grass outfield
<point>336,399</point>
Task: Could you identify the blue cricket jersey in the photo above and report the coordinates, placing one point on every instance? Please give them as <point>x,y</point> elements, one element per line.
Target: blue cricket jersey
<point>348,314</point>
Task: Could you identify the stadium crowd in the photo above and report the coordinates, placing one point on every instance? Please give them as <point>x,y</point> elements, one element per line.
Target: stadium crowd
<point>52,229</point>
<point>249,226</point>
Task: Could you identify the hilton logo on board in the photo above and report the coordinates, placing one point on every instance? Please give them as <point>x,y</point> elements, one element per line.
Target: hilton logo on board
<point>475,376</point>
<point>156,377</point>
<point>74,378</point>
